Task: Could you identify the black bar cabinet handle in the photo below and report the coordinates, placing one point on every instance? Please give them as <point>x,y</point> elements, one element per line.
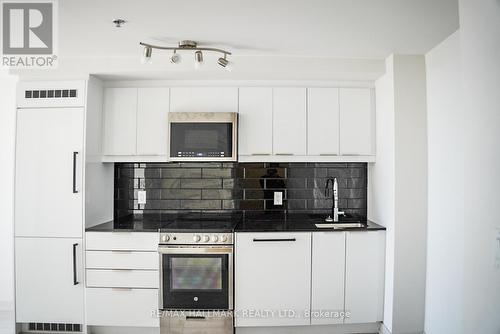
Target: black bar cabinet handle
<point>75,154</point>
<point>189,317</point>
<point>75,281</point>
<point>273,240</point>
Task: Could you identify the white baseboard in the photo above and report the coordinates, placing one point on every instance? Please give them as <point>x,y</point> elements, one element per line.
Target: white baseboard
<point>315,329</point>
<point>385,330</point>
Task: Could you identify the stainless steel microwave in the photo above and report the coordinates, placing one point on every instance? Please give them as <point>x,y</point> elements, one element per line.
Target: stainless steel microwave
<point>203,136</point>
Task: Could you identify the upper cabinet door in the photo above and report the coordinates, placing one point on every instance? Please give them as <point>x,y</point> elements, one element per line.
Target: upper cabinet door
<point>289,121</point>
<point>356,121</point>
<point>255,121</point>
<point>323,121</point>
<point>204,99</point>
<point>120,121</point>
<point>49,168</point>
<point>152,121</point>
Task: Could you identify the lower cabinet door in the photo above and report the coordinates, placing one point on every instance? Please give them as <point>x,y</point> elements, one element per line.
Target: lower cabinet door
<point>328,273</point>
<point>365,271</point>
<point>49,280</point>
<point>122,307</point>
<point>272,279</point>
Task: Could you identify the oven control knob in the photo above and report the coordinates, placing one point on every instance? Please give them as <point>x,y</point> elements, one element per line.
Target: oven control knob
<point>215,238</point>
<point>197,238</point>
<point>223,238</point>
<point>165,238</point>
<point>206,238</point>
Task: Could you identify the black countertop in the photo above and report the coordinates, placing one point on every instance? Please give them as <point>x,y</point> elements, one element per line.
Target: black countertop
<point>296,222</point>
<point>185,222</point>
<point>235,221</point>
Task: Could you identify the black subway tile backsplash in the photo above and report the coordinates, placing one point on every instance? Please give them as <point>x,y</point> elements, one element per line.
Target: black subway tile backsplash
<point>238,186</point>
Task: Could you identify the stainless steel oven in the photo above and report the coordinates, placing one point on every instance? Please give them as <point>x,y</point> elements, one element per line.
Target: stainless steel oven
<point>196,283</point>
<point>199,136</point>
<point>196,277</point>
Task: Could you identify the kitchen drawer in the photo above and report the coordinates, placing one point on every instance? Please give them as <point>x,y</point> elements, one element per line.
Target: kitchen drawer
<point>141,241</point>
<point>123,278</point>
<point>121,260</point>
<point>122,307</point>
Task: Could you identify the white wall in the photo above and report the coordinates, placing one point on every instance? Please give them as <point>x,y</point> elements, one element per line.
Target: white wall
<point>410,194</point>
<point>480,45</point>
<point>398,189</point>
<point>446,221</point>
<point>7,151</point>
<point>381,178</point>
<point>463,278</point>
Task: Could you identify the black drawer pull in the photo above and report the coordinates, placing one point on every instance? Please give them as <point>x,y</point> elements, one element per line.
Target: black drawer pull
<point>75,279</point>
<point>194,318</point>
<point>273,240</point>
<point>75,191</point>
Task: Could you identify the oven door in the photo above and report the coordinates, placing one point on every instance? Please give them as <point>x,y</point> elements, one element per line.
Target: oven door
<point>196,278</point>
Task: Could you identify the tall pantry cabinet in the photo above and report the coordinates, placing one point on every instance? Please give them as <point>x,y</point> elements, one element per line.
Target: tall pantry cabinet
<point>52,198</point>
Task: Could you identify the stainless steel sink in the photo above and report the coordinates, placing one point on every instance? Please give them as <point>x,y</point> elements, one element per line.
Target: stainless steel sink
<point>341,226</point>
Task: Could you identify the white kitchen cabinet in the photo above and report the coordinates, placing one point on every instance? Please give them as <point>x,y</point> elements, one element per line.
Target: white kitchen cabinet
<point>136,121</point>
<point>48,290</point>
<point>323,121</point>
<point>272,276</point>
<point>328,273</point>
<point>122,260</point>
<point>122,278</point>
<point>122,241</point>
<point>49,169</point>
<point>152,120</point>
<point>357,121</point>
<point>255,121</point>
<point>289,121</point>
<point>365,265</point>
<point>204,99</point>
<point>120,121</point>
<point>122,307</point>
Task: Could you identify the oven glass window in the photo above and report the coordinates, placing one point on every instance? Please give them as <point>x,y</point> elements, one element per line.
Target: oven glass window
<point>201,139</point>
<point>196,273</point>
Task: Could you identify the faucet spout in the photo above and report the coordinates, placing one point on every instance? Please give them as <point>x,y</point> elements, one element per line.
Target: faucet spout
<point>335,199</point>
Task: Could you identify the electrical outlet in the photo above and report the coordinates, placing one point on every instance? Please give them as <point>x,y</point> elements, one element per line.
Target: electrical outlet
<point>278,198</point>
<point>141,197</point>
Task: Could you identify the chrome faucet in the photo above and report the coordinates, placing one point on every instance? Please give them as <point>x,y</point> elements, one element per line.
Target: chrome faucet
<point>334,217</point>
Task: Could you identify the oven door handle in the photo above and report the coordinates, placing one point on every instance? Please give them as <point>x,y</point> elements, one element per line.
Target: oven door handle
<point>195,250</point>
<point>190,317</point>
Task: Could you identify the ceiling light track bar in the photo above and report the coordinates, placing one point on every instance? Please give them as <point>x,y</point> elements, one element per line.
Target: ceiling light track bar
<point>185,48</point>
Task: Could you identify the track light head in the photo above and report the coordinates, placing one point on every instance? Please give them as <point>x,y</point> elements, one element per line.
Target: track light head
<point>198,59</point>
<point>175,58</point>
<point>226,64</point>
<point>146,56</point>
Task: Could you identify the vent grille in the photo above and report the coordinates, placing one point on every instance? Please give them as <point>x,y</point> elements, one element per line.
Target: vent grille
<point>50,93</point>
<point>51,327</point>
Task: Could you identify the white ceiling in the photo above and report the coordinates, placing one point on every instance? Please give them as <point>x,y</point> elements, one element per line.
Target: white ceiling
<point>299,32</point>
<point>319,28</point>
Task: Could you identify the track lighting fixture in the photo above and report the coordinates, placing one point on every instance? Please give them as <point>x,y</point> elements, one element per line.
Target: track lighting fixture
<point>198,59</point>
<point>226,64</point>
<point>188,45</point>
<point>175,58</point>
<point>146,57</point>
